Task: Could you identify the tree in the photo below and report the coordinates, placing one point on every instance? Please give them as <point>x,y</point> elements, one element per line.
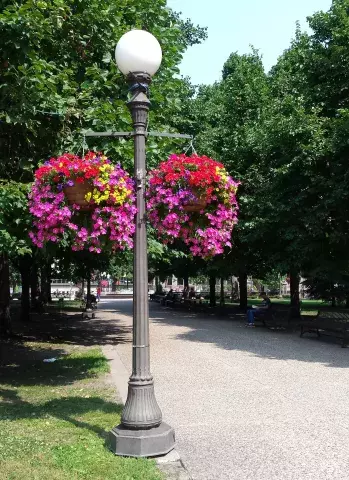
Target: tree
<point>14,241</point>
<point>228,116</point>
<point>284,135</point>
<point>310,80</point>
<point>59,77</point>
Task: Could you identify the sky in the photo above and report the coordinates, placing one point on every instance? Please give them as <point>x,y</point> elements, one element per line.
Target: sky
<point>234,25</point>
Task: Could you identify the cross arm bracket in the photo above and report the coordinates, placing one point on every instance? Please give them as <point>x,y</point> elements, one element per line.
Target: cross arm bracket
<point>126,135</point>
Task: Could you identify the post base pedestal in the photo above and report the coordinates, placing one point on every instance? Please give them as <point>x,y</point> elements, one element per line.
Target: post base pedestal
<point>152,442</point>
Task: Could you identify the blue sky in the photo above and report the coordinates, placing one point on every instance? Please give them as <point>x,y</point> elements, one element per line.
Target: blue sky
<point>234,25</point>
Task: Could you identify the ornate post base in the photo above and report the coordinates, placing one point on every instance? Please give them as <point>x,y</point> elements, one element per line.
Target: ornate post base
<point>152,442</point>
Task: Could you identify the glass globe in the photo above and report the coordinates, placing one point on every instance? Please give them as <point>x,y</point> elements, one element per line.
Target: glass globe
<point>138,51</point>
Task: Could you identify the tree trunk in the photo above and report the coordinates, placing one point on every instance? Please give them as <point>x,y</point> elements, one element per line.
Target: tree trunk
<point>48,281</point>
<point>294,288</point>
<point>25,297</point>
<point>43,285</point>
<point>333,301</point>
<point>5,318</point>
<point>88,301</point>
<point>234,288</point>
<point>222,299</point>
<point>34,283</point>
<point>186,281</point>
<point>243,290</point>
<point>88,285</point>
<point>280,286</point>
<point>212,291</point>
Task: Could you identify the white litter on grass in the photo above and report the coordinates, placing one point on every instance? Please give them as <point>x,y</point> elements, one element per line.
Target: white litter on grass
<point>49,360</point>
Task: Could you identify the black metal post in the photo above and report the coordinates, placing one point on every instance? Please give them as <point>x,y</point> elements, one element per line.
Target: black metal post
<point>142,432</point>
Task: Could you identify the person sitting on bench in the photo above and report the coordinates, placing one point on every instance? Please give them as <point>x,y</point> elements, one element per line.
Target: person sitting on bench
<point>256,311</point>
<point>169,297</point>
<point>192,294</point>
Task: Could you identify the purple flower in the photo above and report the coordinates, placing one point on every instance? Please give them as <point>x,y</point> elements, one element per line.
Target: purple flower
<point>55,220</point>
<point>207,232</point>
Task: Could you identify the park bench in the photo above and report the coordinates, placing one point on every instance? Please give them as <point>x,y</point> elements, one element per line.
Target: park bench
<point>336,322</point>
<point>274,317</point>
<point>174,301</point>
<point>156,297</point>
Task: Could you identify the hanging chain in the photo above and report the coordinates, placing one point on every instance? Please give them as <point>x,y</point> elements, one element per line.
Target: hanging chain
<point>83,145</point>
<point>191,146</point>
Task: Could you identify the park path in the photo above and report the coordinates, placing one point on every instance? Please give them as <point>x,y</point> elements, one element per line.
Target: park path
<point>245,403</point>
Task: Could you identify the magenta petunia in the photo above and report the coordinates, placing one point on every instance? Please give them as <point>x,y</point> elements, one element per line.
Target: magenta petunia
<point>183,180</point>
<point>109,222</point>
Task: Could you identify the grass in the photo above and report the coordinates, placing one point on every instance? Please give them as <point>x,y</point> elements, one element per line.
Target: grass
<point>306,304</point>
<point>67,306</point>
<point>55,417</point>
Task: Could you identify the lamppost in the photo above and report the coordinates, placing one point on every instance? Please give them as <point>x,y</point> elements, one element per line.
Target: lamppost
<point>141,432</point>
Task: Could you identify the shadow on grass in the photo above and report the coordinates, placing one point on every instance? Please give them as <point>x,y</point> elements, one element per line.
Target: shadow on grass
<point>30,369</point>
<point>14,408</point>
<point>26,369</point>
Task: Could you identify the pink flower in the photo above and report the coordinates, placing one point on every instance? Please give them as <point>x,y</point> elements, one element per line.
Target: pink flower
<point>54,219</point>
<point>182,180</point>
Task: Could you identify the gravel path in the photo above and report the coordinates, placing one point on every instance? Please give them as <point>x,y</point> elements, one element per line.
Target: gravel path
<point>246,403</point>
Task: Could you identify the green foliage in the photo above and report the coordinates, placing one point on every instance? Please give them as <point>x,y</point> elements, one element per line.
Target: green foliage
<point>284,135</point>
<point>228,116</point>
<point>15,220</point>
<point>77,266</point>
<point>121,265</point>
<point>59,77</point>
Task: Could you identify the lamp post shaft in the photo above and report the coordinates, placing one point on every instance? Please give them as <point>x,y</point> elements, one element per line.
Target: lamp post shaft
<point>141,409</point>
<point>141,432</point>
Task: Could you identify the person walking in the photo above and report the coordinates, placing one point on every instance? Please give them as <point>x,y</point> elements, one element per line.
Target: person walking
<point>99,291</point>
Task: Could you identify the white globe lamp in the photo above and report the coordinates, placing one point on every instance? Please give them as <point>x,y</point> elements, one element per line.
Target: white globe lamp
<point>138,51</point>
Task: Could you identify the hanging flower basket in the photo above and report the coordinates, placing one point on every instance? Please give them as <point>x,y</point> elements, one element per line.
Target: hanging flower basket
<point>197,204</point>
<point>77,193</point>
<point>86,202</point>
<point>193,199</point>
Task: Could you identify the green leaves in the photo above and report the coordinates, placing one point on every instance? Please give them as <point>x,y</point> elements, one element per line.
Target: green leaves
<point>60,77</point>
<point>15,220</point>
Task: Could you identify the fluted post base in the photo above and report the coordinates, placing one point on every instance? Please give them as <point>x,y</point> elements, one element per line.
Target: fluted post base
<point>141,408</point>
<point>151,442</point>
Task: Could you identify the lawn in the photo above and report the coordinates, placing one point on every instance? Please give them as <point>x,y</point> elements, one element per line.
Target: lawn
<point>306,304</point>
<point>66,306</point>
<point>55,417</point>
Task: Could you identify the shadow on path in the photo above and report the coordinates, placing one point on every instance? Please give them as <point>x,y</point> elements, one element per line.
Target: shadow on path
<point>230,333</point>
<point>70,329</point>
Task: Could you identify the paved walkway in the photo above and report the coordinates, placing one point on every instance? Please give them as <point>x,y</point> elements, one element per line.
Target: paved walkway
<point>246,403</point>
